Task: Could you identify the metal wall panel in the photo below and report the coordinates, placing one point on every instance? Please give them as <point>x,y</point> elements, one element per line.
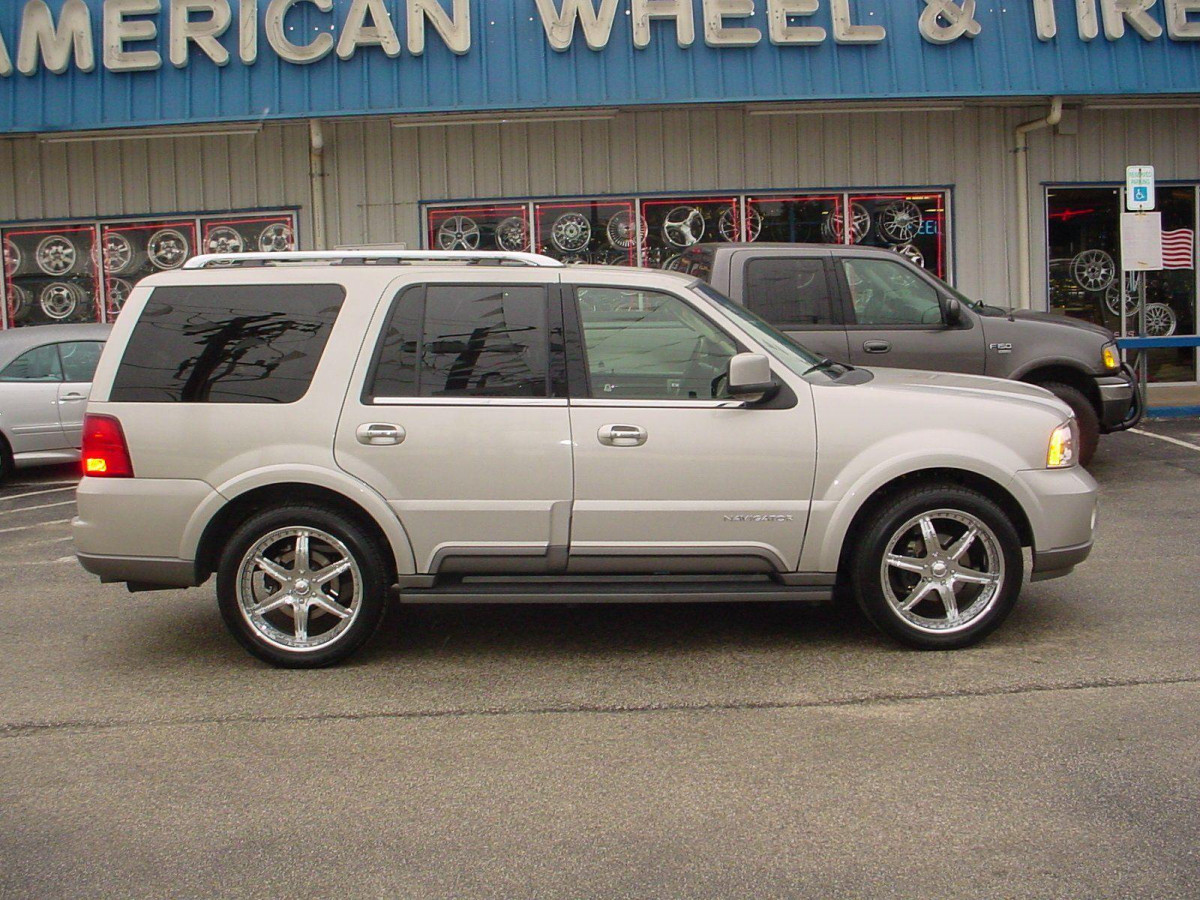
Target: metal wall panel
<point>510,65</point>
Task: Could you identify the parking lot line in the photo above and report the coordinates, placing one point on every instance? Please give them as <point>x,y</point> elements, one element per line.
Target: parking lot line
<point>57,490</point>
<point>38,525</point>
<point>9,512</point>
<point>1163,437</point>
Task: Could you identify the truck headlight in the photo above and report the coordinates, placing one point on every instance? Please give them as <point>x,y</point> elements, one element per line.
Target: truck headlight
<point>1112,357</point>
<point>1061,452</point>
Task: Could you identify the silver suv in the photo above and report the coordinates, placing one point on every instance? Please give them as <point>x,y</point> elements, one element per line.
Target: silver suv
<point>317,429</point>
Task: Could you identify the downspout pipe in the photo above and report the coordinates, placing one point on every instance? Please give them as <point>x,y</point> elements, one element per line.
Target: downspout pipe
<point>1021,149</point>
<point>316,170</point>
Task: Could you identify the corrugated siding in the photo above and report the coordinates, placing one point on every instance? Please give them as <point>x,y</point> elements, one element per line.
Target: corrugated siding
<point>510,65</point>
<point>379,175</point>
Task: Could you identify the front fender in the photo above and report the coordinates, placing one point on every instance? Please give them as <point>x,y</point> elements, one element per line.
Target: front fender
<point>337,481</point>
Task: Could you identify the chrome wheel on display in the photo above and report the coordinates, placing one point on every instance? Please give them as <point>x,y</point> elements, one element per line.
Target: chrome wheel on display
<point>911,253</point>
<point>901,221</point>
<point>575,259</point>
<point>12,258</point>
<point>117,252</point>
<point>1161,320</point>
<point>683,226</point>
<point>276,238</point>
<point>458,233</point>
<point>571,232</point>
<point>729,224</point>
<point>623,232</point>
<point>116,292</point>
<point>833,226</point>
<point>60,299</point>
<point>1093,270</point>
<point>224,239</point>
<point>1112,295</point>
<point>167,249</point>
<point>56,255</point>
<point>512,234</point>
<point>674,263</point>
<point>299,589</point>
<point>18,302</point>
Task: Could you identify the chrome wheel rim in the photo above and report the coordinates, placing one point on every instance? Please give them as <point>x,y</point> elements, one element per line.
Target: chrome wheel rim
<point>18,301</point>
<point>730,227</point>
<point>683,226</point>
<point>1160,320</point>
<point>458,233</point>
<point>56,255</point>
<point>900,221</point>
<point>275,238</point>
<point>116,292</point>
<point>12,258</point>
<point>943,571</point>
<point>622,231</point>
<point>167,249</point>
<point>58,300</point>
<point>833,228</point>
<point>224,239</point>
<point>571,232</point>
<point>1093,270</point>
<point>293,579</point>
<point>912,254</point>
<point>512,234</point>
<point>117,252</point>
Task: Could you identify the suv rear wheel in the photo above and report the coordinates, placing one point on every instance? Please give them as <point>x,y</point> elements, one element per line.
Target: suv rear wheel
<point>301,587</point>
<point>939,568</point>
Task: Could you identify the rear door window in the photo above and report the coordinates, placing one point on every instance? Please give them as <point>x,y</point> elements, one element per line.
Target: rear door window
<point>468,340</point>
<point>240,343</point>
<point>79,359</point>
<point>789,291</point>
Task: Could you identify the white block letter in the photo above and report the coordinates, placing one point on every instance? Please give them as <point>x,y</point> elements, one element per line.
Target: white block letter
<point>846,33</point>
<point>456,32</point>
<point>716,34</point>
<point>1117,12</point>
<point>39,38</point>
<point>203,33</point>
<point>301,54</point>
<point>778,12</point>
<point>1045,19</point>
<point>356,33</point>
<point>1179,26</point>
<point>560,26</point>
<point>679,10</point>
<point>118,31</point>
<point>248,31</point>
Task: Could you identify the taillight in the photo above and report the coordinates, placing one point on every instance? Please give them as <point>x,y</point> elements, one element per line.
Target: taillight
<point>105,453</point>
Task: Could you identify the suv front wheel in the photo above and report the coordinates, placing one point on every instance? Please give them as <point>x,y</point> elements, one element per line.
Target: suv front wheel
<point>301,587</point>
<point>939,568</point>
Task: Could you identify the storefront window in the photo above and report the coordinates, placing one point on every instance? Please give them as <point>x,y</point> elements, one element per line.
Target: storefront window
<point>480,228</point>
<point>50,275</point>
<point>674,224</point>
<point>791,220</point>
<point>585,231</point>
<point>913,225</point>
<point>255,234</point>
<point>1084,270</point>
<point>132,250</point>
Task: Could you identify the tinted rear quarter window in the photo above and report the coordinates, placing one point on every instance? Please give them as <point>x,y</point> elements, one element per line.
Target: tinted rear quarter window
<point>789,291</point>
<point>240,343</point>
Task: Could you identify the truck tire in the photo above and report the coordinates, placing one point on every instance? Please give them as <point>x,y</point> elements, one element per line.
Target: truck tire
<point>1085,415</point>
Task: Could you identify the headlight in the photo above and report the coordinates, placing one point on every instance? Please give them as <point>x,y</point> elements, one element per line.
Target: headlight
<point>1112,357</point>
<point>1061,452</point>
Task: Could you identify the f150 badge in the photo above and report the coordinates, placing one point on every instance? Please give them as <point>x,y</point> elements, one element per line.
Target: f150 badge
<point>1001,348</point>
<point>760,518</point>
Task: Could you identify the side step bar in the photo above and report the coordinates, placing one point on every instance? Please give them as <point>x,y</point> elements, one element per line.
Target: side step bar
<point>614,590</point>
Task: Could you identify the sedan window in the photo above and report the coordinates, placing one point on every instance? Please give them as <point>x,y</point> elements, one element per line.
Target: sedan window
<point>38,364</point>
<point>79,359</point>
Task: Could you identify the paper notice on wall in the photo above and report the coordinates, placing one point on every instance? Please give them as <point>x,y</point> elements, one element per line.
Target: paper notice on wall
<point>1141,242</point>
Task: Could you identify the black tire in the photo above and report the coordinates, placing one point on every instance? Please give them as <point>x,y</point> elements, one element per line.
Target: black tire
<point>6,461</point>
<point>881,591</point>
<point>330,538</point>
<point>1085,415</point>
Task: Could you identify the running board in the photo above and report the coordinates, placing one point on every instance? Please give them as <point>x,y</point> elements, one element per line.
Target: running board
<point>591,590</point>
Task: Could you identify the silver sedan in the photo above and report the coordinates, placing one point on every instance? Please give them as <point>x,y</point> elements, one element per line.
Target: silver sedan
<point>45,378</point>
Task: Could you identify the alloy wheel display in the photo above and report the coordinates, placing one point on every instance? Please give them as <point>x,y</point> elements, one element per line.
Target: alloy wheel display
<point>276,238</point>
<point>1093,270</point>
<point>729,224</point>
<point>458,233</point>
<point>224,239</point>
<point>13,258</point>
<point>116,292</point>
<point>624,231</point>
<point>833,229</point>
<point>1161,320</point>
<point>56,255</point>
<point>900,221</point>
<point>60,299</point>
<point>18,302</point>
<point>512,234</point>
<point>167,249</point>
<point>116,252</point>
<point>683,226</point>
<point>911,253</point>
<point>571,232</point>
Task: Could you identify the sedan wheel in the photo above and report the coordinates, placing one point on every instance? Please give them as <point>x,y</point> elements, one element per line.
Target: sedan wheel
<point>939,568</point>
<point>301,587</point>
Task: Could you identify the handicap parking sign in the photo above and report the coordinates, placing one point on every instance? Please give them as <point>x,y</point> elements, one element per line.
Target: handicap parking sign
<point>1139,188</point>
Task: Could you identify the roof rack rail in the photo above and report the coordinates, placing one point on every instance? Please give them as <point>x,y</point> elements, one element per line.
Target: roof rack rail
<point>370,257</point>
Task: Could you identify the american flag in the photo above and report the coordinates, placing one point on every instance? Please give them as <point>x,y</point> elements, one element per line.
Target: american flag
<point>1178,248</point>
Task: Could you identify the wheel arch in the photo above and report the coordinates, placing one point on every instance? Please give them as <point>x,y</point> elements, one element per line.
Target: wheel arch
<point>982,484</point>
<point>1064,373</point>
<point>382,525</point>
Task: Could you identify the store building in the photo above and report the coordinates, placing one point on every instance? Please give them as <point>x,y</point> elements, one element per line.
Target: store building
<point>988,141</point>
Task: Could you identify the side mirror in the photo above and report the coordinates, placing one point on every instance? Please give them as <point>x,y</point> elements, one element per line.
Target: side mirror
<point>750,378</point>
<point>952,310</point>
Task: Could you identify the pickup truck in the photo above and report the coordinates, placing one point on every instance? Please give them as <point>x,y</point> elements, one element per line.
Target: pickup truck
<point>874,307</point>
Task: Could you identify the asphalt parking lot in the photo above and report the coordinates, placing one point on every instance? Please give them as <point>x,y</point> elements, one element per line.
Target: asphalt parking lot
<point>730,750</point>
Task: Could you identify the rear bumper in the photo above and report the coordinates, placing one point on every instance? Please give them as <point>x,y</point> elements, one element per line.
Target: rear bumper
<point>1117,395</point>
<point>142,573</point>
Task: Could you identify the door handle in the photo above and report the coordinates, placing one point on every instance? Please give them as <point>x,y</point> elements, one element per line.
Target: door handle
<point>877,346</point>
<point>379,434</point>
<point>66,398</point>
<point>622,435</point>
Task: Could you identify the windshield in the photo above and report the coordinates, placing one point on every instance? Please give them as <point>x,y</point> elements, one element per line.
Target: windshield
<point>795,356</point>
